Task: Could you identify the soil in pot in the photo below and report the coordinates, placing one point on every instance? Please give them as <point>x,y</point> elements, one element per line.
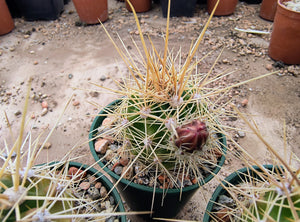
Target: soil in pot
<point>6,21</point>
<point>140,183</point>
<point>95,186</point>
<point>225,7</point>
<point>91,11</point>
<point>284,43</point>
<point>139,5</point>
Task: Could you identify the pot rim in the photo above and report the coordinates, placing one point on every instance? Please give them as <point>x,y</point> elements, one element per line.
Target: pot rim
<point>94,126</point>
<point>280,3</point>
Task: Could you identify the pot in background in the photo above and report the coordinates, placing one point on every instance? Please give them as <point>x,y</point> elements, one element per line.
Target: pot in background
<point>225,7</point>
<point>139,5</point>
<point>178,8</point>
<point>268,9</point>
<point>6,21</point>
<point>40,10</point>
<point>285,38</point>
<point>91,11</point>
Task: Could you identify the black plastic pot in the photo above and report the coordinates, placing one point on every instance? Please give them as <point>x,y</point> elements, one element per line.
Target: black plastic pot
<point>178,8</point>
<point>240,176</point>
<point>14,8</point>
<point>38,9</point>
<point>105,181</point>
<point>139,197</point>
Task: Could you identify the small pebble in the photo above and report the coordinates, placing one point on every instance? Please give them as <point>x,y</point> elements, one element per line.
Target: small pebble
<point>35,62</point>
<point>245,102</point>
<point>44,111</point>
<point>124,160</point>
<point>98,185</point>
<point>241,134</point>
<point>17,113</point>
<point>128,174</point>
<point>103,191</point>
<point>109,155</point>
<point>223,215</point>
<point>85,185</point>
<point>118,170</point>
<point>47,145</point>
<point>75,171</point>
<point>269,67</point>
<point>44,104</point>
<point>102,78</point>
<point>76,103</point>
<point>94,193</point>
<point>107,122</point>
<point>101,146</point>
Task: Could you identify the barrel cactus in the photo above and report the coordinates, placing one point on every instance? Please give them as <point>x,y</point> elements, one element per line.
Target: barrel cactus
<point>168,116</point>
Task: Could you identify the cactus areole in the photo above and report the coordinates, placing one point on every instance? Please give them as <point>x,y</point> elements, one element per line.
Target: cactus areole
<point>191,136</point>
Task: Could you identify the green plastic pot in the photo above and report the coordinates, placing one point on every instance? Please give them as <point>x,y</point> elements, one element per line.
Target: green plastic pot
<point>139,197</point>
<point>235,178</point>
<point>105,181</point>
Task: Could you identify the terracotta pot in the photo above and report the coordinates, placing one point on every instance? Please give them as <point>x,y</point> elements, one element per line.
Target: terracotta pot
<point>139,5</point>
<point>285,38</point>
<point>6,21</point>
<point>268,9</point>
<point>91,11</point>
<point>225,7</point>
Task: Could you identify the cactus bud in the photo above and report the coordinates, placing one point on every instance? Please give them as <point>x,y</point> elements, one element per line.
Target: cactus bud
<point>191,136</point>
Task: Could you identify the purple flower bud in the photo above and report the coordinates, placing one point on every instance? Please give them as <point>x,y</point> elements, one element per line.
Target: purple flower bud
<point>191,136</point>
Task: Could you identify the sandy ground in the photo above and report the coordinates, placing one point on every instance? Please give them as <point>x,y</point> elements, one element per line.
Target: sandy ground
<point>63,59</point>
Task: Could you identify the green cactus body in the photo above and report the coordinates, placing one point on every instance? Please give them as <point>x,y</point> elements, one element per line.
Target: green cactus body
<point>148,127</point>
<point>35,187</point>
<point>276,206</point>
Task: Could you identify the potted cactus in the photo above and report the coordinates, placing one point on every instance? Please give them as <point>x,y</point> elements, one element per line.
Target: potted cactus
<point>53,191</point>
<point>259,192</point>
<point>162,134</point>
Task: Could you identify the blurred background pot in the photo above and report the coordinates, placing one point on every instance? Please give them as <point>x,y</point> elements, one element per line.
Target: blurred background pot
<point>40,10</point>
<point>179,8</point>
<point>91,11</point>
<point>139,5</point>
<point>225,7</point>
<point>268,9</point>
<point>14,8</point>
<point>285,38</point>
<point>6,21</point>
